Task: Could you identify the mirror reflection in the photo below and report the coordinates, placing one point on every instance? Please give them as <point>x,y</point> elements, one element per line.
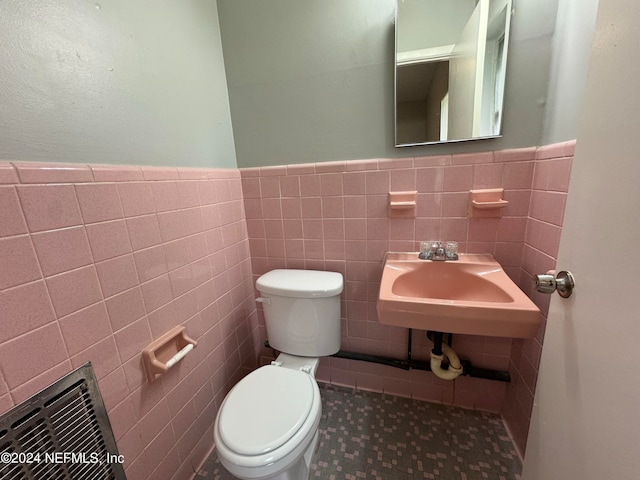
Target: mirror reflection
<point>450,67</point>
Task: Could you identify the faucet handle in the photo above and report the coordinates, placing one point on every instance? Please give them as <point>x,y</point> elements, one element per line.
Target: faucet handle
<point>451,250</point>
<point>428,248</point>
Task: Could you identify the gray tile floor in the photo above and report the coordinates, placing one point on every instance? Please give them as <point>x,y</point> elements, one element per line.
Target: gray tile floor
<point>382,437</point>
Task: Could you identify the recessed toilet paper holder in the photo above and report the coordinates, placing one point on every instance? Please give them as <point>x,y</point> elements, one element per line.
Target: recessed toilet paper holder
<point>563,283</point>
<point>162,354</point>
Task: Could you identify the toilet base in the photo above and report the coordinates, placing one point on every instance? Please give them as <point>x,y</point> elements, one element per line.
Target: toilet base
<point>297,471</point>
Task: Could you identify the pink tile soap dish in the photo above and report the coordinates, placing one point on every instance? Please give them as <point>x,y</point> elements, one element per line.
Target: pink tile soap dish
<point>487,203</point>
<point>402,204</point>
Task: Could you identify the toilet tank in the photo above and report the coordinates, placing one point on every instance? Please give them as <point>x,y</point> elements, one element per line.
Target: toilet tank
<point>302,311</point>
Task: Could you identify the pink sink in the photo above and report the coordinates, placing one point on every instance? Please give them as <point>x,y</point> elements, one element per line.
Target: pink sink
<point>472,295</point>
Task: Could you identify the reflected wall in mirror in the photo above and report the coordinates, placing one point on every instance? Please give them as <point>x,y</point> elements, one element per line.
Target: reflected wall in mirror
<point>451,58</point>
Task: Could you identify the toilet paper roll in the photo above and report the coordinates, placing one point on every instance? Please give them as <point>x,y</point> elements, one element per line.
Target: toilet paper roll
<point>179,356</point>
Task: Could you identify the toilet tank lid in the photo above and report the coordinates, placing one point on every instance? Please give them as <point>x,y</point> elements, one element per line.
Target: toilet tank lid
<point>300,283</point>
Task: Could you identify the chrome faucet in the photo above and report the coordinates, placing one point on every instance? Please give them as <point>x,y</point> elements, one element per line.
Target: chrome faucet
<point>437,253</point>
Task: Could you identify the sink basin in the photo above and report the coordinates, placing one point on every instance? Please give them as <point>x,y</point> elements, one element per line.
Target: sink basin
<point>472,295</point>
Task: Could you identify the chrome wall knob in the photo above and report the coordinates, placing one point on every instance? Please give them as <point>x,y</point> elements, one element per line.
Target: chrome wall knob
<point>563,283</point>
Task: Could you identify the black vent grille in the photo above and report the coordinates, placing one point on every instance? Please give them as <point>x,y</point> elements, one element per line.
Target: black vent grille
<point>61,433</point>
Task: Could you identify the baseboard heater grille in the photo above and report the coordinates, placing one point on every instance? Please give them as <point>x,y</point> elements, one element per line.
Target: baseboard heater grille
<point>61,433</point>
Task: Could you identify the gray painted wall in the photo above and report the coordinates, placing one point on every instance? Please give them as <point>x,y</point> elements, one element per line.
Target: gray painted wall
<point>309,80</point>
<point>312,80</point>
<point>114,81</point>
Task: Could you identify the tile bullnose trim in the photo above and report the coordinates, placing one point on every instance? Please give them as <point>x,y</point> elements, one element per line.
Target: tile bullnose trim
<point>433,161</point>
<point>8,174</point>
<point>337,166</point>
<point>250,172</point>
<point>472,158</point>
<point>160,173</point>
<point>44,172</point>
<point>515,154</point>
<point>116,173</point>
<point>25,172</point>
<point>187,173</point>
<point>556,150</point>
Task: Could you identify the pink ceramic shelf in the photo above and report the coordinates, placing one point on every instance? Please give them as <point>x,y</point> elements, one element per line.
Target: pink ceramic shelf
<point>402,204</point>
<point>487,203</point>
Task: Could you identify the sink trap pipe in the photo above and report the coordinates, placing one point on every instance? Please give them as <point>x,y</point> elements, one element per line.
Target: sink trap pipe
<point>439,352</point>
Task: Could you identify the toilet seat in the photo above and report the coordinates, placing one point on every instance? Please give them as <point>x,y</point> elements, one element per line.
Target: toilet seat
<point>299,387</point>
<point>265,410</point>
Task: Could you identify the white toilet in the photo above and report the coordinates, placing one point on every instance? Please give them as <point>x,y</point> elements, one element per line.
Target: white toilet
<point>267,426</point>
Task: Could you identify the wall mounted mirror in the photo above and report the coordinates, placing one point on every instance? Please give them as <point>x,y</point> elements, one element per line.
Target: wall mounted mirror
<point>450,64</point>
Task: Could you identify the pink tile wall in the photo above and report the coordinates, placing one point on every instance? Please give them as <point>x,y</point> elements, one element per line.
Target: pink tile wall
<point>95,263</point>
<point>548,196</point>
<point>334,216</point>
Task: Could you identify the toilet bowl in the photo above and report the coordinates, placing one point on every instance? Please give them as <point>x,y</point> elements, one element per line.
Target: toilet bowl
<point>267,425</point>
